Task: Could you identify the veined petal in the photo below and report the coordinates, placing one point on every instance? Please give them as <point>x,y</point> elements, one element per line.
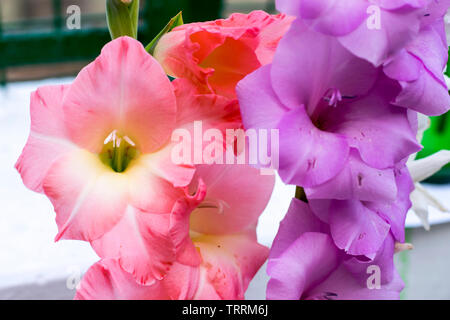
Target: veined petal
<point>124,89</point>
<point>140,242</point>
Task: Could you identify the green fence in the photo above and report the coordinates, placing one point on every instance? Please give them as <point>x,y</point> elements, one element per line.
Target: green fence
<point>46,41</point>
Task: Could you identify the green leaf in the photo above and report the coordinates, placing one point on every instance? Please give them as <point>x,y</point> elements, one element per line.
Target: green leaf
<point>122,18</point>
<point>173,23</point>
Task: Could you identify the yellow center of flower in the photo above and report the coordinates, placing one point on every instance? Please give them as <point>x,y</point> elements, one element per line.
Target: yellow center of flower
<point>118,151</point>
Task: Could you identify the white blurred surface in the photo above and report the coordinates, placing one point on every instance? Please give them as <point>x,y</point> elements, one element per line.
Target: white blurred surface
<point>28,253</point>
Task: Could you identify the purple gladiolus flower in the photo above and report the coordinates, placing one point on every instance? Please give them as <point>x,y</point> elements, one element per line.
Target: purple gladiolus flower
<point>407,37</point>
<point>419,70</point>
<point>361,227</point>
<point>371,29</point>
<point>329,105</point>
<point>306,264</point>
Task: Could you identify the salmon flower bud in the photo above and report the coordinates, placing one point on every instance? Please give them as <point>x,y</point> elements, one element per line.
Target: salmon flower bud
<point>216,55</point>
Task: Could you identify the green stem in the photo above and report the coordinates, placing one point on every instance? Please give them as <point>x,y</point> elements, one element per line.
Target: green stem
<point>300,194</point>
<point>122,18</point>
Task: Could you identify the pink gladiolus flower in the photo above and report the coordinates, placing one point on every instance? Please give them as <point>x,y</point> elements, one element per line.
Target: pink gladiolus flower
<point>99,150</point>
<point>216,55</point>
<point>217,256</point>
<point>228,265</point>
<point>214,237</point>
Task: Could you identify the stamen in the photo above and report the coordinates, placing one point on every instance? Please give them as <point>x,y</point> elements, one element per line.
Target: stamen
<point>118,151</point>
<point>214,204</point>
<point>333,96</point>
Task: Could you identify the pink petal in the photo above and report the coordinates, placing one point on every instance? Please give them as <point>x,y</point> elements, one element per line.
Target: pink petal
<point>106,280</point>
<point>48,138</point>
<point>213,110</point>
<point>140,242</point>
<point>147,245</point>
<point>230,262</point>
<point>89,199</point>
<point>216,55</point>
<point>236,196</point>
<point>124,89</point>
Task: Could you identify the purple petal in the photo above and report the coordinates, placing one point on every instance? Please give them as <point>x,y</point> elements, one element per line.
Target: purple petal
<point>308,260</point>
<point>357,229</point>
<point>260,106</point>
<point>373,125</point>
<point>397,28</point>
<point>334,17</point>
<point>289,7</point>
<point>298,220</point>
<point>307,64</point>
<point>423,90</point>
<point>309,156</point>
<point>397,4</point>
<point>342,285</point>
<point>384,259</point>
<point>357,181</point>
<point>395,212</point>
